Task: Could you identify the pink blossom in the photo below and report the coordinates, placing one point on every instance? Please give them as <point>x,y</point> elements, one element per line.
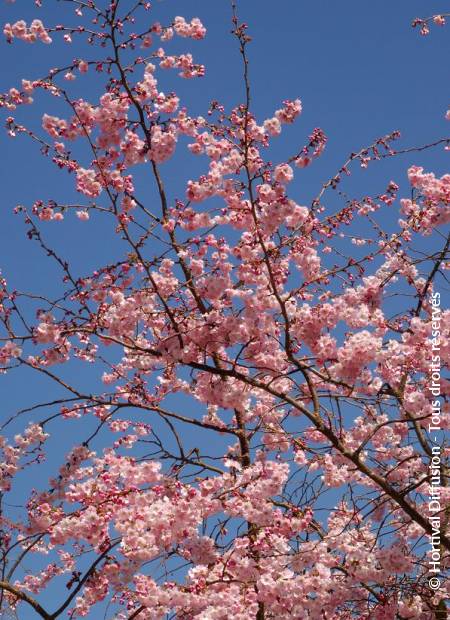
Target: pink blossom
<point>83,215</point>
<point>283,173</point>
<point>289,112</point>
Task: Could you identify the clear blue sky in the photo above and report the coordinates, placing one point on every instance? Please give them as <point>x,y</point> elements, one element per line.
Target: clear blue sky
<point>358,66</point>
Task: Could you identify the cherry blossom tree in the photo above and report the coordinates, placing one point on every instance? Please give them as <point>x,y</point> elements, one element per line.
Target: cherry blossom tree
<point>300,343</point>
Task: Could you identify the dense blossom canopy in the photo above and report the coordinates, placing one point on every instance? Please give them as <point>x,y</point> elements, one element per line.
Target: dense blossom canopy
<point>265,324</point>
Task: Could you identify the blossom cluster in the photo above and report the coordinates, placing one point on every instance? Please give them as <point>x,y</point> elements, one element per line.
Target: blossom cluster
<point>236,307</point>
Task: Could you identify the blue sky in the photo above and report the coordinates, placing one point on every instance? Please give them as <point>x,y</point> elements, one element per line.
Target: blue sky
<point>359,68</point>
